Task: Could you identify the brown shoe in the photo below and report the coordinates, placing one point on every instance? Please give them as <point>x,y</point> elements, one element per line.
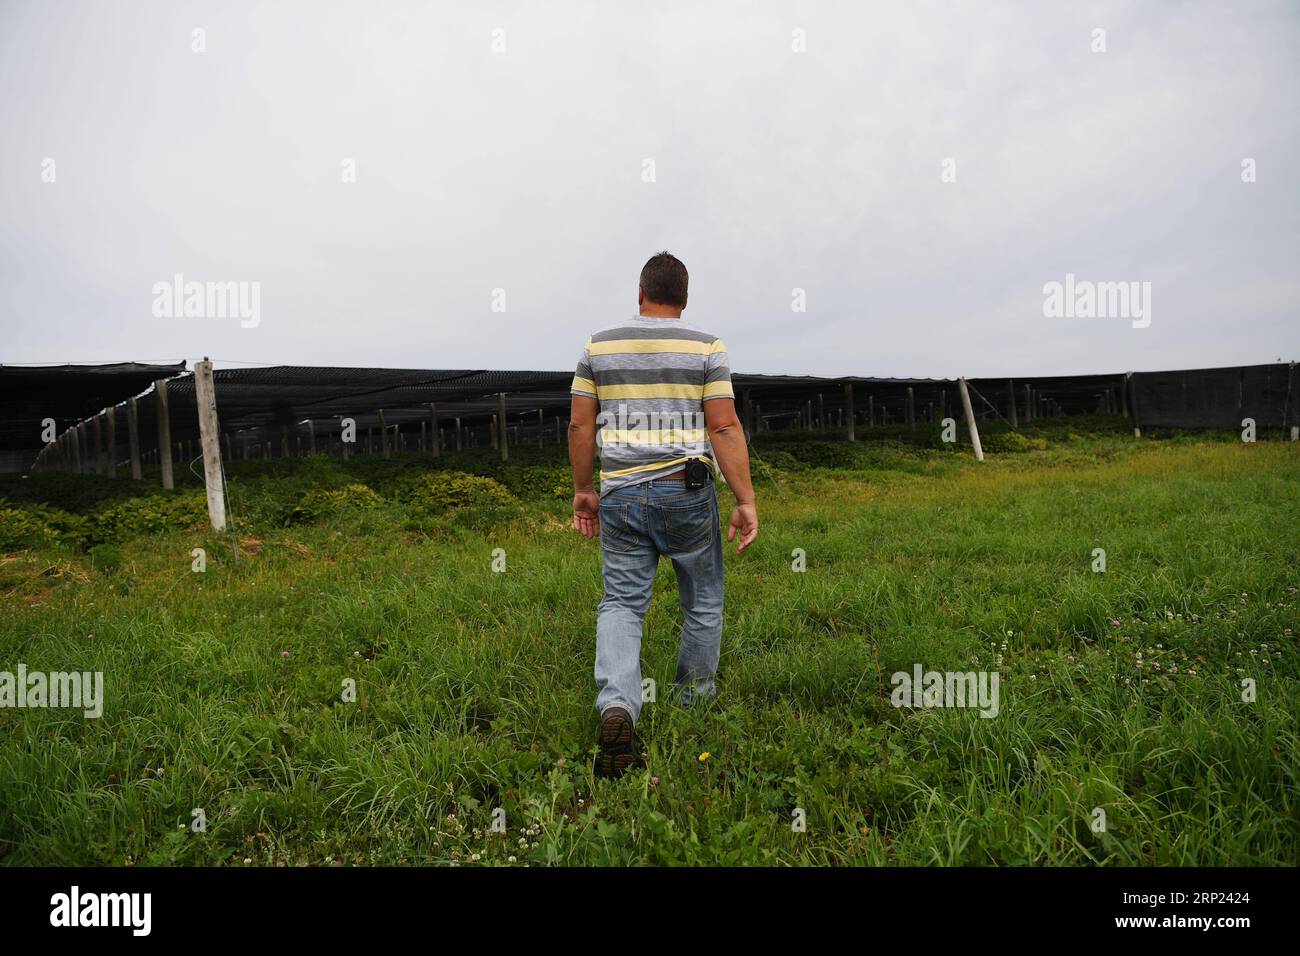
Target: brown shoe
<point>617,744</point>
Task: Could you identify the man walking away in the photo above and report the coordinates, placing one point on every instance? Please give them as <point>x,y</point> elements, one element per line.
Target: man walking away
<point>660,390</point>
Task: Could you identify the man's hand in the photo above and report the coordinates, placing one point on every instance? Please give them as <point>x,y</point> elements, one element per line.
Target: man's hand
<point>744,518</point>
<point>728,441</point>
<point>586,512</point>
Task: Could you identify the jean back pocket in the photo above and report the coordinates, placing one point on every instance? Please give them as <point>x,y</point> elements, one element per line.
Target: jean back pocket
<point>689,526</point>
<point>616,534</point>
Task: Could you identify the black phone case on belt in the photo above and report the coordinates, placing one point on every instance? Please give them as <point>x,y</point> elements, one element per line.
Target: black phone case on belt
<point>698,473</point>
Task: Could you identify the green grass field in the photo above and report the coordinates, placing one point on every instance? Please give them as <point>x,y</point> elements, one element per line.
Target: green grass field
<point>224,689</point>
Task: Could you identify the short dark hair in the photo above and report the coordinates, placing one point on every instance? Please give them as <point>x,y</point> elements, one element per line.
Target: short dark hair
<point>664,280</point>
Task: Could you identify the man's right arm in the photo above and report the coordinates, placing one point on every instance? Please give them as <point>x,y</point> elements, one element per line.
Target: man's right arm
<point>582,454</point>
<point>728,440</point>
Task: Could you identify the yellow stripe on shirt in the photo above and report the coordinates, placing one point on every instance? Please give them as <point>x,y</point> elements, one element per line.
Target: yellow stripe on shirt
<point>649,346</point>
<point>712,462</point>
<point>653,436</point>
<point>632,471</point>
<point>658,390</point>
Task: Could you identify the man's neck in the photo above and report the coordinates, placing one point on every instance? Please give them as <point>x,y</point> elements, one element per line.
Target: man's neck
<point>653,311</point>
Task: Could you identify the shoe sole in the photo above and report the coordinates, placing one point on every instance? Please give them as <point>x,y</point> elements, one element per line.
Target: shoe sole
<point>616,731</point>
<point>617,753</point>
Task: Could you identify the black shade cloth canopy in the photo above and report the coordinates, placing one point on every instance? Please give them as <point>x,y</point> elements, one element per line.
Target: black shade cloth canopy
<point>65,393</point>
<point>268,403</point>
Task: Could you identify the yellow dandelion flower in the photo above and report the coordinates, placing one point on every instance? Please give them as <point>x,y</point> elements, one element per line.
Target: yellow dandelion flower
<point>704,756</point>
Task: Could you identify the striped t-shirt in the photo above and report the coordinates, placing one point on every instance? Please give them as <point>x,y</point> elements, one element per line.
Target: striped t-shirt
<point>652,378</point>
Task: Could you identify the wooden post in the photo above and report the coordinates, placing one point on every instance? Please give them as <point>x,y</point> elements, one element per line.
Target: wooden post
<point>110,445</point>
<point>383,434</point>
<point>871,411</point>
<point>494,432</point>
<point>541,427</point>
<point>205,398</point>
<point>100,445</point>
<point>82,455</point>
<point>97,446</point>
<point>1133,400</point>
<point>311,436</point>
<point>74,446</point>
<point>435,433</point>
<point>821,411</point>
<point>807,415</point>
<point>559,435</point>
<point>1011,402</point>
<point>458,434</point>
<point>164,432</point>
<point>501,417</point>
<point>848,411</point>
<point>970,419</point>
<point>911,409</point>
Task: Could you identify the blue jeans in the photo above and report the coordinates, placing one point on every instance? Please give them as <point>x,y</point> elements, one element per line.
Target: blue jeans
<point>637,525</point>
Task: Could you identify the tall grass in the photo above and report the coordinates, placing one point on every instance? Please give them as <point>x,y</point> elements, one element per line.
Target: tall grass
<point>1120,691</point>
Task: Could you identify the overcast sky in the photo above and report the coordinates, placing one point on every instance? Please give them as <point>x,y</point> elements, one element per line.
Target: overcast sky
<point>524,170</point>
